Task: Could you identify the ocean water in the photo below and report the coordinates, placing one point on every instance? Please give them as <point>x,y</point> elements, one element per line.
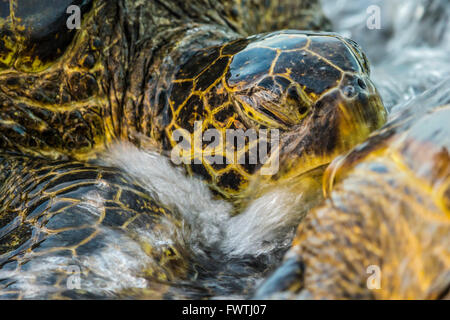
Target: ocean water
<point>410,51</point>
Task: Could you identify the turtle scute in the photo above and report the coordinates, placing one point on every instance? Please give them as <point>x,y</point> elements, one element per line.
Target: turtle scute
<point>383,232</point>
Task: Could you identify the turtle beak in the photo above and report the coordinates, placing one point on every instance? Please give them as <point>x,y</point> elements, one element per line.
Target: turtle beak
<point>360,104</point>
<point>341,119</point>
<point>347,115</point>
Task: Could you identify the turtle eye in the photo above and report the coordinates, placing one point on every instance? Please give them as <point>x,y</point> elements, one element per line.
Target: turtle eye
<point>170,252</point>
<point>295,102</point>
<point>275,106</point>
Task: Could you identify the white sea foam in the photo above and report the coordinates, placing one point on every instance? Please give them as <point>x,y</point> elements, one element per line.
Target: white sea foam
<point>261,228</point>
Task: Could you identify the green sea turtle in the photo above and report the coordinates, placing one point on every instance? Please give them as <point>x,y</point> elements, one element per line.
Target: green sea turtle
<point>384,230</point>
<point>137,71</point>
<point>145,72</point>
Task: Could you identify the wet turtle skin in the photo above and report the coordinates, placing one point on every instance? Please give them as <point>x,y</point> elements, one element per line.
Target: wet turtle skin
<point>33,33</point>
<point>384,230</point>
<point>164,65</point>
<point>67,210</point>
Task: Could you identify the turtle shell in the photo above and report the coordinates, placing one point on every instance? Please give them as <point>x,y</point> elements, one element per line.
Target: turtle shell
<point>34,33</point>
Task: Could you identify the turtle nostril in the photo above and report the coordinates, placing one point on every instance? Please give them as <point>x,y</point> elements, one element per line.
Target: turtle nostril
<point>349,91</point>
<point>362,84</point>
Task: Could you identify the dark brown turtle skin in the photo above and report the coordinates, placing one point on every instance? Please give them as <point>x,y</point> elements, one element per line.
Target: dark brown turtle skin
<point>162,65</point>
<point>67,94</point>
<point>384,230</point>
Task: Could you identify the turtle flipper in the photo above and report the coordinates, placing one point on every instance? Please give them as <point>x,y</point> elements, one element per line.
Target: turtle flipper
<point>60,217</point>
<point>384,230</point>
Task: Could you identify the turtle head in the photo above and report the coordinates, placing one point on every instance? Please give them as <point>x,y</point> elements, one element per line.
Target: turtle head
<point>311,90</point>
<point>314,87</point>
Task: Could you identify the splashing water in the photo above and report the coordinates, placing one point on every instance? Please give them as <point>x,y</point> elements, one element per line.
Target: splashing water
<point>409,53</point>
<point>235,252</point>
